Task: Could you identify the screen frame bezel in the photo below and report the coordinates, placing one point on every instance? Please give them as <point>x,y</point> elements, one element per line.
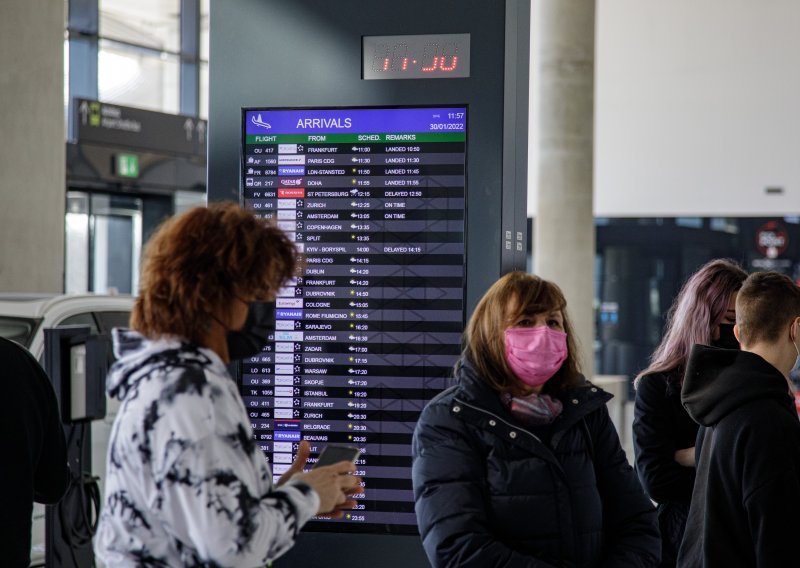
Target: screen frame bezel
<point>236,367</point>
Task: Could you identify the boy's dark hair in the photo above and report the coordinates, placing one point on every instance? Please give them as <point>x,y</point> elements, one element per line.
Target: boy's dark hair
<point>766,303</point>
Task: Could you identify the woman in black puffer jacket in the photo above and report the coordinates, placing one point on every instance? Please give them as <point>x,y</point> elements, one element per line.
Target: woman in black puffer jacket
<point>519,465</point>
<point>663,432</point>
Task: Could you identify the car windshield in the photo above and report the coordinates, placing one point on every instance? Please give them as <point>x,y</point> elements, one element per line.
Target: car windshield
<point>20,330</point>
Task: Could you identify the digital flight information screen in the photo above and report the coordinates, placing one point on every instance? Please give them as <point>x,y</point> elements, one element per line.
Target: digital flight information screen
<point>374,199</point>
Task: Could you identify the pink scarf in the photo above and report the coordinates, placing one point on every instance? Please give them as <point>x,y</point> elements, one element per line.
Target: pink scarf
<point>534,409</point>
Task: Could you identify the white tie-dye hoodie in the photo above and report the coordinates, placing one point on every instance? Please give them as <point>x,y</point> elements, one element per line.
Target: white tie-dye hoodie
<point>186,484</point>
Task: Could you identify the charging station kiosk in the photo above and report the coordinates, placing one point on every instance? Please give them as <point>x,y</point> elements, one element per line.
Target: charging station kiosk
<point>389,139</point>
<point>76,362</point>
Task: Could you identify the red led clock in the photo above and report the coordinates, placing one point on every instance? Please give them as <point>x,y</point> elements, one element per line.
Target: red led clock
<point>431,56</point>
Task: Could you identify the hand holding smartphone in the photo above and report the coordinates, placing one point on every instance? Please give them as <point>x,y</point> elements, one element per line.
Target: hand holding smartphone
<point>335,454</point>
<point>331,477</point>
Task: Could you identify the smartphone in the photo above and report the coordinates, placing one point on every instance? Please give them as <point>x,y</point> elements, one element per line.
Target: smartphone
<point>335,454</point>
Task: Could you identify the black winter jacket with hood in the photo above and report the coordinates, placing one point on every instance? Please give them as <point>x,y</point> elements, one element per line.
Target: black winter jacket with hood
<point>661,426</point>
<point>491,493</point>
<point>746,497</point>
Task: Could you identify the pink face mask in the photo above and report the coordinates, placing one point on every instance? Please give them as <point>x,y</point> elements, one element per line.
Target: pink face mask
<point>535,353</point>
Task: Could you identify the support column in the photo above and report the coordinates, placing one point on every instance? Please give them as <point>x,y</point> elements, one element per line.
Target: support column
<point>32,146</point>
<point>564,242</point>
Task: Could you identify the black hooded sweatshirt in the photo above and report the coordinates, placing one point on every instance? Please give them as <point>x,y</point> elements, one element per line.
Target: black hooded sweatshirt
<point>745,507</point>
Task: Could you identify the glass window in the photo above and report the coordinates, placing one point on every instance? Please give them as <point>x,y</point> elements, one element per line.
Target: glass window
<point>691,222</point>
<point>20,330</point>
<point>138,77</point>
<point>85,318</point>
<point>77,243</point>
<point>110,320</point>
<point>66,84</point>
<point>116,243</point>
<point>204,27</point>
<point>724,224</point>
<point>204,90</point>
<point>151,23</point>
<point>644,265</point>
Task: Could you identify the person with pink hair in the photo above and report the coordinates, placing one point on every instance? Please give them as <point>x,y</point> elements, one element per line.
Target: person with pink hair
<point>704,312</point>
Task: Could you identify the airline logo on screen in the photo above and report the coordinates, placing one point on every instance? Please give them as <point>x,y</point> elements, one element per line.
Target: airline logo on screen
<point>259,122</point>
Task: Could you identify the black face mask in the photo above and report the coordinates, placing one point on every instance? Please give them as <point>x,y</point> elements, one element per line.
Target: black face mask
<point>727,340</point>
<point>252,338</point>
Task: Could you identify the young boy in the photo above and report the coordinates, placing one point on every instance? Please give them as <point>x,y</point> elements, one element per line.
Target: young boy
<point>745,507</point>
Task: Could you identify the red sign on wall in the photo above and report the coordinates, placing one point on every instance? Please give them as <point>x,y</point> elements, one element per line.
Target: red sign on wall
<point>772,239</point>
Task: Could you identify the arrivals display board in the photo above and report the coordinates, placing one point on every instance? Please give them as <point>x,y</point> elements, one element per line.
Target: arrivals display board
<point>374,199</point>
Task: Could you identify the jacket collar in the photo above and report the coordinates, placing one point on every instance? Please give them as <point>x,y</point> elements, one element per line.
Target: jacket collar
<point>578,401</point>
<point>475,396</point>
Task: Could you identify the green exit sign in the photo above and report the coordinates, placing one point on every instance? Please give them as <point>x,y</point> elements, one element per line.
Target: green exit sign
<point>126,165</point>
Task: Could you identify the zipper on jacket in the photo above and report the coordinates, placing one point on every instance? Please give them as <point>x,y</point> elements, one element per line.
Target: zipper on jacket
<point>554,461</point>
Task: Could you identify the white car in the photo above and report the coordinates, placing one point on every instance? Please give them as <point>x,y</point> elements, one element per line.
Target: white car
<point>23,318</point>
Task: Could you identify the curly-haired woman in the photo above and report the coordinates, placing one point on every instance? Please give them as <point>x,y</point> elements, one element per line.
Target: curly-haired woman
<point>663,433</point>
<point>187,485</point>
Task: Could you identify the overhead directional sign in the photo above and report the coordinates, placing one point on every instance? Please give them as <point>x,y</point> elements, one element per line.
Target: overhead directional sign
<point>109,124</point>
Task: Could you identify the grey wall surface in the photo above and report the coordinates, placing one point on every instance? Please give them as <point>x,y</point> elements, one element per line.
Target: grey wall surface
<point>307,53</point>
<point>32,146</point>
<point>696,109</point>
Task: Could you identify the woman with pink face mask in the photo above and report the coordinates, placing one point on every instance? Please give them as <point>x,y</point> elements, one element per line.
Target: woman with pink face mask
<point>519,465</point>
